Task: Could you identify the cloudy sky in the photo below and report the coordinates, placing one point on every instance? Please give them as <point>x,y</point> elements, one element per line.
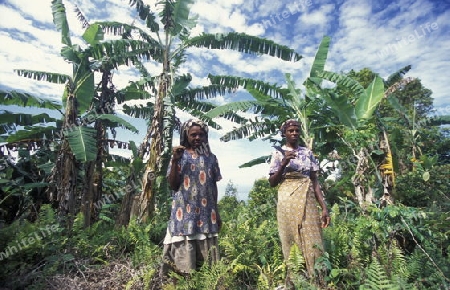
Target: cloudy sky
<point>381,35</point>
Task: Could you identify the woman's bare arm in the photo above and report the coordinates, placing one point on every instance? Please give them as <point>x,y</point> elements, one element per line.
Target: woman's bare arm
<point>320,199</point>
<point>174,178</point>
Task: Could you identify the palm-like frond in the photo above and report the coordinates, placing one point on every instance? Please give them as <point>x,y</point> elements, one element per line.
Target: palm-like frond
<point>256,161</point>
<point>139,111</point>
<point>123,49</point>
<point>233,83</point>
<point>124,30</point>
<point>268,106</point>
<point>252,130</point>
<point>145,14</point>
<point>200,114</point>
<point>131,93</point>
<point>25,99</point>
<point>201,93</point>
<point>55,78</point>
<point>118,121</point>
<point>21,119</point>
<point>81,17</point>
<point>340,79</point>
<point>244,43</point>
<point>240,106</point>
<point>138,90</point>
<point>141,68</point>
<point>197,108</point>
<point>190,103</point>
<point>35,134</point>
<point>180,84</point>
<point>397,76</point>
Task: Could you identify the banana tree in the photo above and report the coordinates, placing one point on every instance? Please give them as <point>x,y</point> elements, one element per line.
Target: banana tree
<point>311,107</point>
<point>81,136</point>
<point>355,119</point>
<point>174,40</point>
<point>274,104</point>
<point>359,119</point>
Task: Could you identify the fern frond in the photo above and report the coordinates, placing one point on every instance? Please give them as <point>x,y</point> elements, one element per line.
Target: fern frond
<point>296,261</point>
<point>377,278</point>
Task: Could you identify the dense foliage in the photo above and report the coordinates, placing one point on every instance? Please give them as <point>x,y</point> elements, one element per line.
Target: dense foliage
<point>394,247</point>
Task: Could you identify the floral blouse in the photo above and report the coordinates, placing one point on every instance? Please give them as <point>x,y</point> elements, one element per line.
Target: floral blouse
<point>194,204</point>
<point>304,163</point>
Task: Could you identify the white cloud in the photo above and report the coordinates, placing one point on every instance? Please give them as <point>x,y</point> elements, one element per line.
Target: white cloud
<point>318,17</point>
<point>38,10</point>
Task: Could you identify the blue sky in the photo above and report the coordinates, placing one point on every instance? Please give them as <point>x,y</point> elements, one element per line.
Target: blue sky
<point>381,35</point>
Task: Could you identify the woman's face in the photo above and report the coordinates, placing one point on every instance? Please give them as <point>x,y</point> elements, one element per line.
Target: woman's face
<point>292,133</point>
<point>196,137</point>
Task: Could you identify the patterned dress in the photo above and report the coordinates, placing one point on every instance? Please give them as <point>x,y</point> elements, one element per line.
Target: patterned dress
<point>194,205</point>
<point>297,213</point>
<point>192,233</point>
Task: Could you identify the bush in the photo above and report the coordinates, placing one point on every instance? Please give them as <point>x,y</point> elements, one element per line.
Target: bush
<point>412,190</point>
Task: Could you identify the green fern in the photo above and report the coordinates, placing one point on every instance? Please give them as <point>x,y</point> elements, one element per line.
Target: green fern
<point>394,261</point>
<point>296,261</point>
<point>270,275</point>
<point>377,278</point>
<point>215,276</point>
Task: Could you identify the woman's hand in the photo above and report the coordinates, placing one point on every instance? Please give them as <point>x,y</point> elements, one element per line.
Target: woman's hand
<point>177,152</point>
<point>289,155</point>
<point>325,218</point>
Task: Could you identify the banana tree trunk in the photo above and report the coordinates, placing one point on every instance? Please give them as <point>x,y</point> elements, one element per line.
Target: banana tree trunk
<point>93,180</point>
<point>65,173</point>
<point>363,191</point>
<point>143,205</point>
<point>125,209</point>
<point>93,184</point>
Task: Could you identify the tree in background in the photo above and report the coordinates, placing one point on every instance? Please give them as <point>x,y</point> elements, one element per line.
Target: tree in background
<point>229,202</point>
<point>231,190</point>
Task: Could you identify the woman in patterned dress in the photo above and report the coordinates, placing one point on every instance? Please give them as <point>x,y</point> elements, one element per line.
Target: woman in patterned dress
<point>191,237</point>
<point>295,169</point>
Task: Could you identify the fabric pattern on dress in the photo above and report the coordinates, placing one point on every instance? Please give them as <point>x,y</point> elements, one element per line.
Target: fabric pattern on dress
<point>194,208</point>
<point>297,212</point>
<point>304,163</point>
<point>298,219</point>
